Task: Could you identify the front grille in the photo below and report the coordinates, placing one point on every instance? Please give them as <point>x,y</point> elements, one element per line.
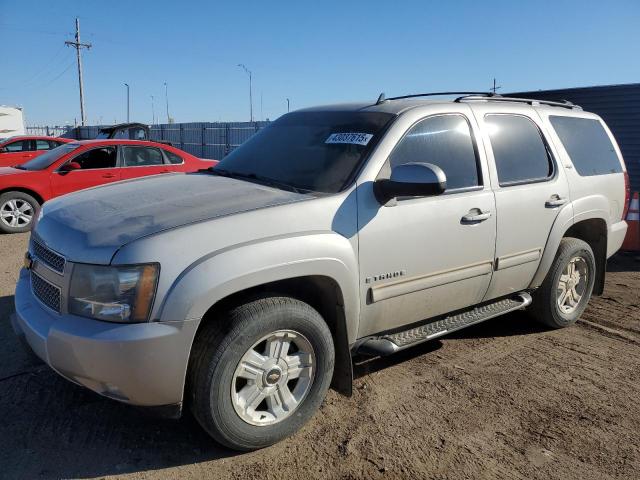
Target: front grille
<point>45,292</point>
<point>48,257</point>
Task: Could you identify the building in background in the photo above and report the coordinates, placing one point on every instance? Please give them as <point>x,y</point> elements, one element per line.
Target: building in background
<point>11,121</point>
<point>618,105</point>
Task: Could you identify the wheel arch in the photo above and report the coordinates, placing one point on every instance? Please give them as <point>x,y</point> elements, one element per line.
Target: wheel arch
<point>594,232</point>
<point>323,293</point>
<point>590,227</point>
<point>26,190</point>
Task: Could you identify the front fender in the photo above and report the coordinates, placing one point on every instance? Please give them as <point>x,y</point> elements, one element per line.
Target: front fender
<point>234,269</point>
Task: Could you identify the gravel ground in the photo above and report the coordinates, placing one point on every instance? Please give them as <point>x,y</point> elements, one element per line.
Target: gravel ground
<point>505,399</point>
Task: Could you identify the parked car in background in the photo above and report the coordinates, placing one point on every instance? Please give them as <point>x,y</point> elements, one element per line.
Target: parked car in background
<point>78,165</point>
<point>21,149</point>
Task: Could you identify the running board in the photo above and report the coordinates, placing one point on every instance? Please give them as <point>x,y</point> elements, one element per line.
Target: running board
<point>394,342</point>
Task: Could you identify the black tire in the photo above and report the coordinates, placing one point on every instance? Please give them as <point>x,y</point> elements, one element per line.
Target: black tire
<point>220,346</point>
<point>545,306</point>
<point>6,206</point>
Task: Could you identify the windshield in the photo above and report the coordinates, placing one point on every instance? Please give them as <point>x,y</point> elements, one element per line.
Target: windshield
<point>317,151</point>
<point>48,158</point>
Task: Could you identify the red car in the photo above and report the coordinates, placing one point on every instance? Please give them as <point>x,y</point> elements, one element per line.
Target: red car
<point>17,150</point>
<point>78,165</point>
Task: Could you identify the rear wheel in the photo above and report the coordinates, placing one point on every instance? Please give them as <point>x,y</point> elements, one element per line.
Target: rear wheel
<point>566,290</point>
<point>261,373</point>
<point>18,210</point>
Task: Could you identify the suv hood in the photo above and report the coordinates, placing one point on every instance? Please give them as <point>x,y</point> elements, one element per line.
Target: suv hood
<point>91,225</point>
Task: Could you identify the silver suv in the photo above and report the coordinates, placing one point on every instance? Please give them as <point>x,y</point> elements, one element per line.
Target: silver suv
<point>244,291</point>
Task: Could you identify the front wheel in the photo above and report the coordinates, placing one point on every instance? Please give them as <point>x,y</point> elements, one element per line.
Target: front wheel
<point>567,288</point>
<point>259,374</point>
<point>18,210</point>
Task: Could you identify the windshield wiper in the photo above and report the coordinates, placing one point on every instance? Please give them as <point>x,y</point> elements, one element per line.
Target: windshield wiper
<point>258,179</point>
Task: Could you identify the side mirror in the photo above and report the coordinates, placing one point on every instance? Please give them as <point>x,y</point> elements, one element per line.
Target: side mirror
<point>411,180</point>
<point>71,166</point>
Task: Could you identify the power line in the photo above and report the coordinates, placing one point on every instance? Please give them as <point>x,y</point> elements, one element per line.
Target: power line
<point>79,46</point>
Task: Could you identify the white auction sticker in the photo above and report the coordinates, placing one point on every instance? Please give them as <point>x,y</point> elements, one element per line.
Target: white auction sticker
<point>351,138</point>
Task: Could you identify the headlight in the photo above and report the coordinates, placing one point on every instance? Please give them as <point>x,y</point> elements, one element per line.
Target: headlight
<point>114,294</point>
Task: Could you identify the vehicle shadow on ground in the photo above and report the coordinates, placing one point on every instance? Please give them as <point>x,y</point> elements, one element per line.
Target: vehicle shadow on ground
<point>512,324</point>
<point>624,262</point>
<point>51,428</point>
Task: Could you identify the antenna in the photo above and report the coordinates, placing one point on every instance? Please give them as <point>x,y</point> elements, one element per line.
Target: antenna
<point>381,99</point>
<point>495,87</point>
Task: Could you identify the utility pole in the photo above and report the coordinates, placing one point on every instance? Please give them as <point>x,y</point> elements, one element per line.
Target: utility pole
<point>248,72</point>
<point>494,88</point>
<point>166,97</point>
<point>153,112</point>
<point>127,85</point>
<point>78,46</point>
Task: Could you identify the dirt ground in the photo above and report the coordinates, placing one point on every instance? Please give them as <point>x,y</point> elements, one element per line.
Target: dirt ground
<point>504,399</point>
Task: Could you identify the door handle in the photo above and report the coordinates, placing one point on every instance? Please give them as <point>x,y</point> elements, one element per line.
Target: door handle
<point>475,215</point>
<point>108,175</point>
<point>555,201</point>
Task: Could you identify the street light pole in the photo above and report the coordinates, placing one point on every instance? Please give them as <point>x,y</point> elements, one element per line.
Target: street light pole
<point>250,90</point>
<point>166,97</point>
<point>127,85</point>
<point>153,112</point>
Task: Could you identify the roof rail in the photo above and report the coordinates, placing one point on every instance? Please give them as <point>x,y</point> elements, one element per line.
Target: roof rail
<point>530,101</point>
<point>382,98</point>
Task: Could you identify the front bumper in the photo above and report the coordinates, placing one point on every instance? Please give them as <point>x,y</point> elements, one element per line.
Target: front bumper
<point>141,363</point>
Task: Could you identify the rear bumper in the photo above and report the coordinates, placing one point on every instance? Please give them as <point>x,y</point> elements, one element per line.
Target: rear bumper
<point>141,364</point>
<point>615,237</point>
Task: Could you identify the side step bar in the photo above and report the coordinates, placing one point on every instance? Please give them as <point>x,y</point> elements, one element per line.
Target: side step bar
<point>394,342</point>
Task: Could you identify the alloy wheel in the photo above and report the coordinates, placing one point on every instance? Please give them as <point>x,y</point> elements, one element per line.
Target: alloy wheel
<point>572,284</point>
<point>273,378</point>
<point>16,213</point>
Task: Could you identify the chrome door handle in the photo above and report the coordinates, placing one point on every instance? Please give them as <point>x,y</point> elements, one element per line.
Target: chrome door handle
<point>555,201</point>
<point>476,215</point>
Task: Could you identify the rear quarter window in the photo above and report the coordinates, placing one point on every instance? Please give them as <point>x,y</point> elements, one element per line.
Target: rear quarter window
<point>173,158</point>
<point>587,144</point>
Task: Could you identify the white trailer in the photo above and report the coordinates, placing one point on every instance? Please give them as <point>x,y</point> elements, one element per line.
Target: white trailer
<point>11,122</point>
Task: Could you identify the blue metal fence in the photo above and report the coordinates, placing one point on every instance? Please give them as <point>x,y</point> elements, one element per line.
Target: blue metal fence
<point>212,140</point>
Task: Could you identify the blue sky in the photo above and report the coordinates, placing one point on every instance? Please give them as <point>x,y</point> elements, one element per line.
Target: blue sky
<point>311,52</point>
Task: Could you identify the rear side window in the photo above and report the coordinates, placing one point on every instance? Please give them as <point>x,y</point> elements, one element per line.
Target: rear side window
<point>43,145</point>
<point>445,141</point>
<point>173,158</point>
<point>520,153</point>
<point>587,144</point>
<point>142,156</point>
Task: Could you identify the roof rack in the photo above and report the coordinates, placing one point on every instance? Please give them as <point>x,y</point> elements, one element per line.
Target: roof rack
<point>529,101</point>
<point>382,98</point>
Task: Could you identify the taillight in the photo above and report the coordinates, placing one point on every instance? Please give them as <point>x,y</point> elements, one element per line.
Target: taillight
<point>627,196</point>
